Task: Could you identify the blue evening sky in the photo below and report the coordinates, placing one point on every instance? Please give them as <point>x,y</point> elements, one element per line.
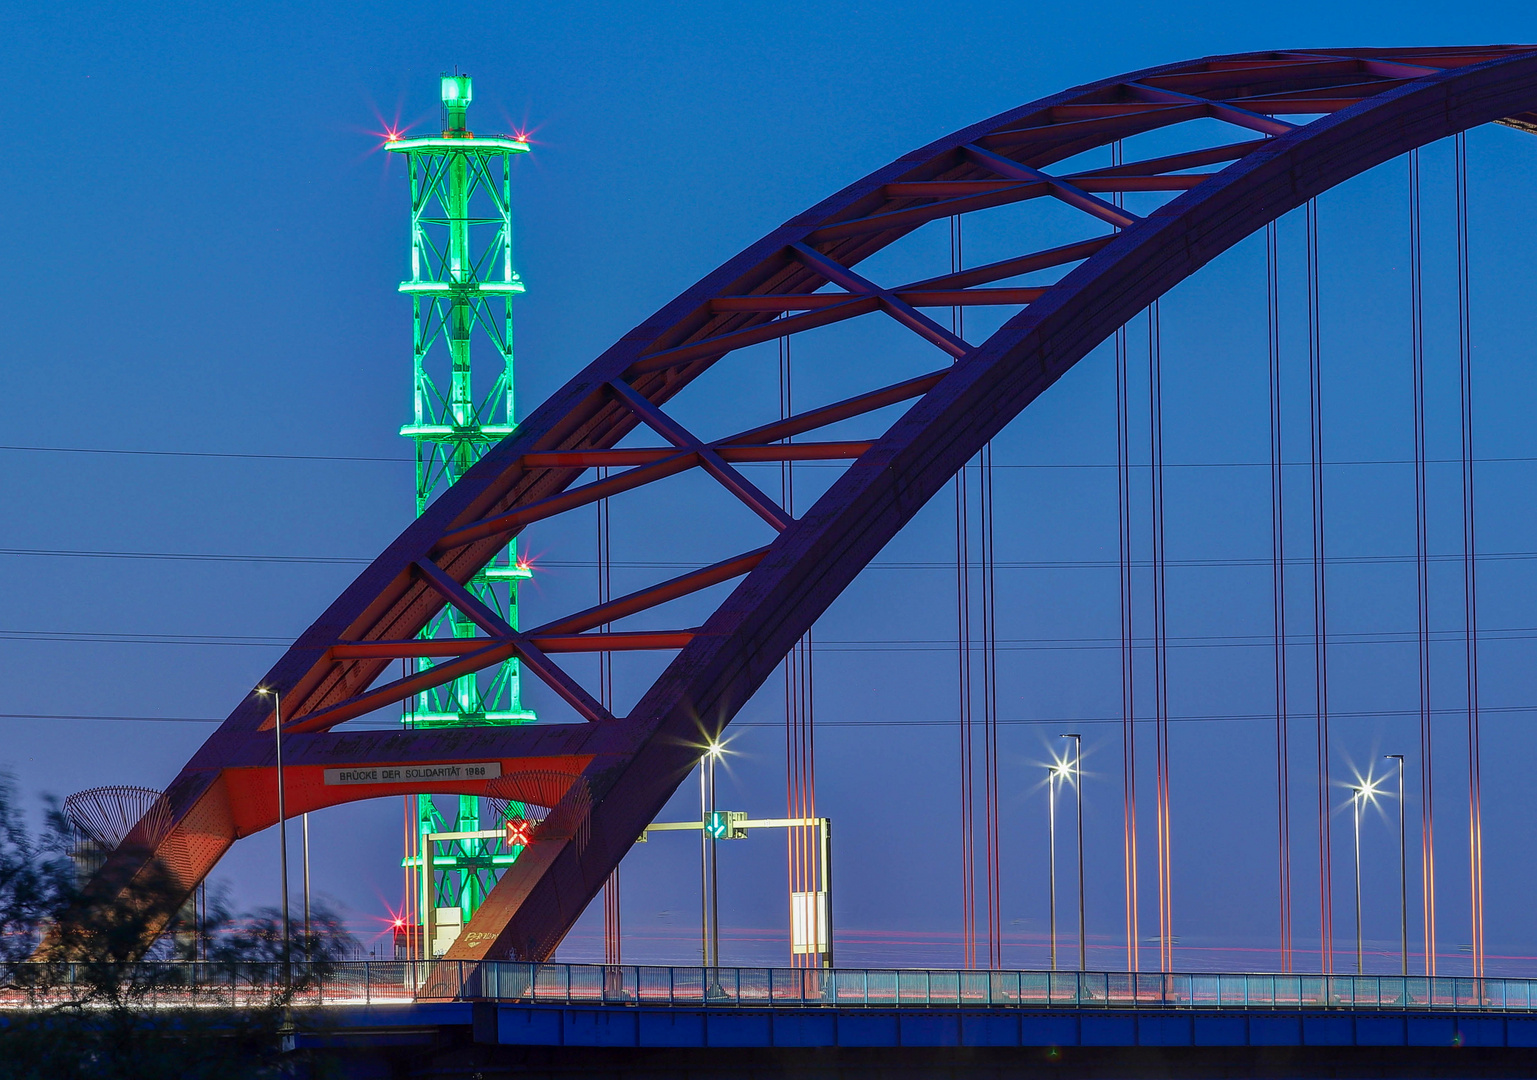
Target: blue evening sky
<point>201,256</point>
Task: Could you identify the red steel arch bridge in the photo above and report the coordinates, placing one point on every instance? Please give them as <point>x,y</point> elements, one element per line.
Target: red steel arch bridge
<point>1246,139</point>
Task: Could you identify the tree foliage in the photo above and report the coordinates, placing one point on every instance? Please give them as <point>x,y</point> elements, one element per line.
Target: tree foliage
<point>82,997</point>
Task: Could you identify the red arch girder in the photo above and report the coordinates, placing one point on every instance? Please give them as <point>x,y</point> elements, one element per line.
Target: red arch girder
<point>1375,104</point>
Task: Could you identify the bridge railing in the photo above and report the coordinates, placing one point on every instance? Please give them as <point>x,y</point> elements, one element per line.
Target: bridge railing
<point>768,987</point>
<point>378,982</point>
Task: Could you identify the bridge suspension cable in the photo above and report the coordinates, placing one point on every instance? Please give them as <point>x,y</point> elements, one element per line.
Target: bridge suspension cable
<point>1470,561</point>
<point>1422,564</point>
<point>613,925</point>
<point>1278,598</point>
<point>1320,596</point>
<point>809,901</point>
<point>1160,644</point>
<point>1128,655</point>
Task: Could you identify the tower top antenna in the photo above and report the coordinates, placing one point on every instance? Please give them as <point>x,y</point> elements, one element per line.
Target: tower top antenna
<point>457,92</point>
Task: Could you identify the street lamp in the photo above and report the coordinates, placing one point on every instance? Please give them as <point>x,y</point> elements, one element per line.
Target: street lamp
<point>1403,872</point>
<point>1361,794</point>
<point>704,867</point>
<point>714,756</point>
<point>1357,795</point>
<point>1056,773</point>
<point>709,910</point>
<point>277,738</point>
<point>305,818</point>
<point>1083,964</point>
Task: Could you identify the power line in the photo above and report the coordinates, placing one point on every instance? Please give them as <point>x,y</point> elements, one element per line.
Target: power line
<point>93,450</point>
<point>216,455</point>
<point>185,556</point>
<point>1207,718</point>
<point>109,637</point>
<point>1044,644</point>
<point>879,564</point>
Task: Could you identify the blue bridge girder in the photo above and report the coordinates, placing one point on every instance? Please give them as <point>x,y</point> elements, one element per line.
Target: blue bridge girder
<point>491,1039</point>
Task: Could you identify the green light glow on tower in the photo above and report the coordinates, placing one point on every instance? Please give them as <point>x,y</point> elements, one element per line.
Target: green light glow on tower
<point>462,285</point>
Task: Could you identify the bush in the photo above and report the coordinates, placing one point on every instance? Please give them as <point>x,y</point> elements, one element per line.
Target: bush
<point>84,997</point>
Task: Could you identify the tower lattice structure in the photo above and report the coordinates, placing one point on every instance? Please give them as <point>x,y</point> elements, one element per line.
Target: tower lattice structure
<point>462,286</point>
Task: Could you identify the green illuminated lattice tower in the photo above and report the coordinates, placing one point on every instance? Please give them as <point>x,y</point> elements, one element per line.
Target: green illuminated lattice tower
<point>461,286</point>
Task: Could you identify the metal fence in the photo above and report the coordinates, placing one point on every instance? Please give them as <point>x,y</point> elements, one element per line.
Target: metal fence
<point>377,982</point>
<point>774,987</point>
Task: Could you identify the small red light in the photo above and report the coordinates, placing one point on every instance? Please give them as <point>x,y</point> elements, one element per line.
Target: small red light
<point>520,832</point>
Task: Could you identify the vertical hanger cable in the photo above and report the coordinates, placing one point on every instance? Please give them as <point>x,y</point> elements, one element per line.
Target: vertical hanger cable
<point>1278,577</point>
<point>1469,565</point>
<point>963,659</point>
<point>613,949</point>
<point>1160,643</point>
<point>1320,606</point>
<point>1422,564</point>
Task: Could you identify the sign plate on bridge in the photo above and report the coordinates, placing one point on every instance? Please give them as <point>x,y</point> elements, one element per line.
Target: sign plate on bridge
<point>413,774</point>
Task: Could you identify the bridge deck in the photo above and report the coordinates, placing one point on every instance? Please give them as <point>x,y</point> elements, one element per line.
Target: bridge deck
<point>601,1025</point>
<point>493,1039</point>
<point>377,982</point>
<point>457,1019</point>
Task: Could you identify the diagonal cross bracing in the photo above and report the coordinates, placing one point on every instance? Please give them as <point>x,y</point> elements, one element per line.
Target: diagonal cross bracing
<point>912,297</point>
<point>679,436</point>
<point>1060,137</point>
<point>910,217</point>
<point>721,344</point>
<point>683,585</point>
<point>472,606</point>
<point>570,691</point>
<point>532,656</point>
<point>1062,189</point>
<point>840,410</point>
<point>399,689</point>
<point>510,522</point>
<point>617,641</point>
<point>644,455</point>
<point>1233,114</point>
<point>897,308</point>
<point>1192,159</point>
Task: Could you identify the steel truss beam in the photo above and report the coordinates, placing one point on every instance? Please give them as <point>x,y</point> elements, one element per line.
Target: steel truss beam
<point>607,780</point>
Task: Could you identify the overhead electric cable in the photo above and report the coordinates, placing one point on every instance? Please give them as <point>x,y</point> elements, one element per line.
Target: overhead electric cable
<point>1212,718</point>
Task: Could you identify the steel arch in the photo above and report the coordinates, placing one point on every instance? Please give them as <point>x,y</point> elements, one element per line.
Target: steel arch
<point>610,776</point>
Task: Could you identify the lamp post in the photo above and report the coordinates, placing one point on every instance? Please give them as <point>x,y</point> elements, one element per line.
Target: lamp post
<point>307,944</point>
<point>714,960</point>
<point>1361,794</point>
<point>1403,873</point>
<point>704,869</point>
<point>1357,797</point>
<point>1083,964</point>
<point>277,738</point>
<point>1056,772</point>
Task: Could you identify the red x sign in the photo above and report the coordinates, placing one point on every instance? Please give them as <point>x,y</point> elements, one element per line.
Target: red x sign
<point>520,832</point>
